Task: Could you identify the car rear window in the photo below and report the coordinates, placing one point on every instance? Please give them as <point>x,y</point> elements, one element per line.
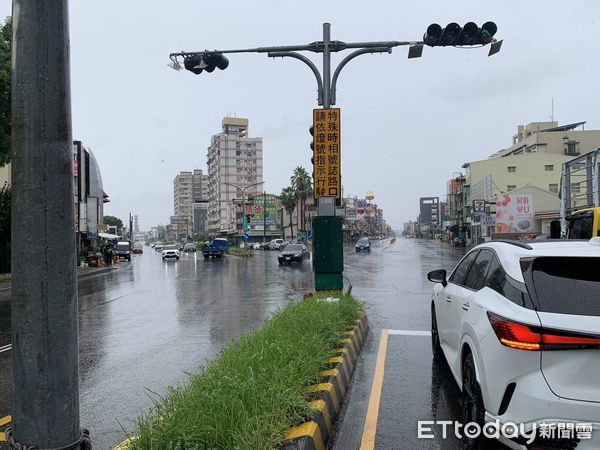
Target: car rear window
<point>567,285</point>
<point>296,247</point>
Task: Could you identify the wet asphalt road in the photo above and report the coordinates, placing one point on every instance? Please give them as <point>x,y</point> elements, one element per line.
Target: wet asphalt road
<point>144,326</point>
<point>392,282</point>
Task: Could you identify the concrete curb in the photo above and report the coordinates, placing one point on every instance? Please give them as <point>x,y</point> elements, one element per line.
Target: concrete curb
<point>86,273</point>
<point>328,396</point>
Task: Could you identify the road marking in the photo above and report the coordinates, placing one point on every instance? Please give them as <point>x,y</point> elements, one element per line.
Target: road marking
<point>410,332</point>
<point>370,428</point>
<point>5,348</point>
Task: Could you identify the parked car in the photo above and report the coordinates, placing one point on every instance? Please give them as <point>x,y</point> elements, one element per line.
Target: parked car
<point>277,244</point>
<point>170,252</point>
<point>254,246</point>
<point>217,248</point>
<point>123,250</point>
<point>293,253</point>
<point>158,246</point>
<point>518,324</point>
<point>363,245</point>
<point>189,248</point>
<point>137,248</point>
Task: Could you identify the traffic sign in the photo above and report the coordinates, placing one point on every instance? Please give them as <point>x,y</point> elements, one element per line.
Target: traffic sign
<point>488,221</point>
<point>245,236</point>
<point>327,153</point>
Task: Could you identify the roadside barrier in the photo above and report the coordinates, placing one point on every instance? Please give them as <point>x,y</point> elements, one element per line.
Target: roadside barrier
<point>327,397</point>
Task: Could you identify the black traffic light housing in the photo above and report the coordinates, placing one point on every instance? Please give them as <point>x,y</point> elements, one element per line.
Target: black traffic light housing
<point>205,62</point>
<point>311,130</point>
<point>453,34</point>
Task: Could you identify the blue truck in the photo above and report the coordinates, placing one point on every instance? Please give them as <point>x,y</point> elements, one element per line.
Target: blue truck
<point>217,248</point>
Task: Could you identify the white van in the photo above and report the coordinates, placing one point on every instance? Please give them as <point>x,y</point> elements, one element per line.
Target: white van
<point>277,244</point>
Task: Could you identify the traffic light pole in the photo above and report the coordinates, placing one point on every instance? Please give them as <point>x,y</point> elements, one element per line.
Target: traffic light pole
<point>45,354</point>
<point>453,34</point>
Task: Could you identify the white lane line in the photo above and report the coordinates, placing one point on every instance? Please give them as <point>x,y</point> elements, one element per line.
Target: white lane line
<point>410,332</point>
<point>5,348</point>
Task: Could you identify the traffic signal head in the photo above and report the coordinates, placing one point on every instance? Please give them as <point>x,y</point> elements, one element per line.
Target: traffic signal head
<point>450,34</point>
<point>453,34</point>
<point>205,61</point>
<point>469,34</point>
<point>311,130</point>
<point>432,35</point>
<point>488,30</point>
<point>194,64</point>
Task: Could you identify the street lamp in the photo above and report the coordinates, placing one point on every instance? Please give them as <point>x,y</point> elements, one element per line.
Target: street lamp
<point>243,191</point>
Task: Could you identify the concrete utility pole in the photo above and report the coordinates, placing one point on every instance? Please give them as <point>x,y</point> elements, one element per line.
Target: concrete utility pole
<point>45,370</point>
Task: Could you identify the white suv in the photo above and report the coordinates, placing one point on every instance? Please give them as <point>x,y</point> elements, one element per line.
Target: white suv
<point>170,252</point>
<point>519,325</point>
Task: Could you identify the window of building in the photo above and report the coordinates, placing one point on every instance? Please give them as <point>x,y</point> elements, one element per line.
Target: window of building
<point>571,148</point>
<point>549,167</point>
<point>575,188</point>
<point>510,187</point>
<point>512,169</point>
<point>553,187</point>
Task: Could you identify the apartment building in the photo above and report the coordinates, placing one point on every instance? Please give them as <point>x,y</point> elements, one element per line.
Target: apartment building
<point>549,137</point>
<point>235,170</point>
<point>190,197</point>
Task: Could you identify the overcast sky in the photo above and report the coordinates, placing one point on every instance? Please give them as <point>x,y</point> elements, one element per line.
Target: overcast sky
<point>407,125</point>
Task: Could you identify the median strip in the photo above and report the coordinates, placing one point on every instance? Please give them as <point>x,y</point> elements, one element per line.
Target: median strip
<point>267,389</point>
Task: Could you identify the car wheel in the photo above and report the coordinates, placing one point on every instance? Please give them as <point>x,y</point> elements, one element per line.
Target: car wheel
<point>472,400</point>
<point>205,256</point>
<point>436,348</point>
<point>177,258</point>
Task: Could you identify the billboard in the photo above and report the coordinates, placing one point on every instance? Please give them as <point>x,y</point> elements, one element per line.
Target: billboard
<point>266,203</point>
<point>514,214</point>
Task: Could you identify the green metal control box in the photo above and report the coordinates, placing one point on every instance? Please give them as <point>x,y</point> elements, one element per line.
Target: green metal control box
<point>328,253</point>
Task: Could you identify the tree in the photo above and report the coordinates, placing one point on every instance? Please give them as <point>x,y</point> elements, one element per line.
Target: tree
<point>113,221</point>
<point>301,183</point>
<point>5,78</point>
<point>288,200</point>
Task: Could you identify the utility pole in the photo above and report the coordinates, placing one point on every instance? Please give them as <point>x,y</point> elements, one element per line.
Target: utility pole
<point>45,353</point>
<point>243,191</point>
<point>264,217</point>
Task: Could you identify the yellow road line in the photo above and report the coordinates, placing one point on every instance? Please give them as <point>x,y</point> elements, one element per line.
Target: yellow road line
<point>5,420</point>
<point>370,428</point>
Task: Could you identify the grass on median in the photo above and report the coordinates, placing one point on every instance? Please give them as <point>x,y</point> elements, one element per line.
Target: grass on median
<point>255,389</point>
<point>240,252</point>
<point>5,277</point>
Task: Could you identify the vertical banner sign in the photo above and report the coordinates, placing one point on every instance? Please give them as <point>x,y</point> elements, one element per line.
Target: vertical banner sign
<point>327,151</point>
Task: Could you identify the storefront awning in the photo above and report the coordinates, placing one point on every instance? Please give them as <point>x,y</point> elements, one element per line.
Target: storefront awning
<point>110,237</point>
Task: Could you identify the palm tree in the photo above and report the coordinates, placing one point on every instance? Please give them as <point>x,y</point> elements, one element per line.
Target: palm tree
<point>288,200</point>
<point>302,184</point>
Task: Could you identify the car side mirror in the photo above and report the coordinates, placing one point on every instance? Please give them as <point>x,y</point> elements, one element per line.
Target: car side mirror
<point>438,276</point>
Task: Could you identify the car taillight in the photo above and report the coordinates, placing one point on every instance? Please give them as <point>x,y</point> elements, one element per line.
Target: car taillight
<point>533,338</point>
